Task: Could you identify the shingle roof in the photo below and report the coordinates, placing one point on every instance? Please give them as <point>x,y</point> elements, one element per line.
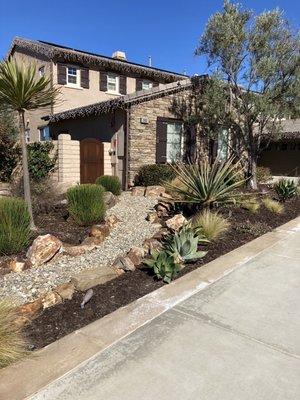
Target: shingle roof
<point>121,102</point>
<point>61,53</point>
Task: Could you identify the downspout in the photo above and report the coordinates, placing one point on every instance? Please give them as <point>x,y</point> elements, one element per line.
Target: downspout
<point>126,142</point>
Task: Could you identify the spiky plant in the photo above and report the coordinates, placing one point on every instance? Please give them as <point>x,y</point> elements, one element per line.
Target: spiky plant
<point>273,206</point>
<point>163,264</point>
<point>183,245</point>
<point>210,224</point>
<point>22,89</point>
<point>12,345</point>
<point>285,189</point>
<point>206,184</point>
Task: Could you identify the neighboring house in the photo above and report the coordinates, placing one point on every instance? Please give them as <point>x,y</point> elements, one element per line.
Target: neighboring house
<point>283,156</point>
<point>84,78</point>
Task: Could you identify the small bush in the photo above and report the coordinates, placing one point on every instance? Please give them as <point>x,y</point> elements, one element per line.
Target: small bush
<point>286,189</point>
<point>86,203</point>
<point>263,174</point>
<point>14,225</point>
<point>251,205</point>
<point>110,183</point>
<point>163,264</point>
<point>210,224</point>
<point>12,345</point>
<point>273,206</point>
<point>40,160</point>
<point>154,174</point>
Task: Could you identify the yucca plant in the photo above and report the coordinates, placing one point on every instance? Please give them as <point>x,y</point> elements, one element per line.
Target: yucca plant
<point>14,225</point>
<point>110,183</point>
<point>12,345</point>
<point>285,189</point>
<point>273,205</point>
<point>86,203</point>
<point>206,184</point>
<point>183,245</point>
<point>22,89</point>
<point>210,224</point>
<point>163,264</point>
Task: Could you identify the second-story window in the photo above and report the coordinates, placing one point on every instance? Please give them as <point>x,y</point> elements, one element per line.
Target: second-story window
<point>72,76</point>
<point>113,83</point>
<point>146,85</point>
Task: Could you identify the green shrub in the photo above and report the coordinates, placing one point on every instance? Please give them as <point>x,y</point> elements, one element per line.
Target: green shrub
<point>14,225</point>
<point>204,184</point>
<point>163,265</point>
<point>154,174</point>
<point>286,189</point>
<point>86,204</point>
<point>183,245</point>
<point>263,174</point>
<point>40,160</point>
<point>273,206</point>
<point>12,345</point>
<point>210,224</point>
<point>110,183</point>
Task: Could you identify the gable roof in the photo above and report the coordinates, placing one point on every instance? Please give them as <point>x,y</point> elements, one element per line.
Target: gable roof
<point>121,102</point>
<point>61,53</point>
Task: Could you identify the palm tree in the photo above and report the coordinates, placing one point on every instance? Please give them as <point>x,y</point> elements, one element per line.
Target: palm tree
<point>21,89</point>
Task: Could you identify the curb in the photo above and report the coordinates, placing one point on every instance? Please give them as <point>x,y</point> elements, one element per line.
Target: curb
<point>23,379</point>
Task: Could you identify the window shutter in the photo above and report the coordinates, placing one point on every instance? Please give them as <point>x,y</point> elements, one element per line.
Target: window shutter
<point>84,78</point>
<point>138,84</point>
<point>61,74</point>
<point>123,84</point>
<point>103,81</point>
<point>161,141</point>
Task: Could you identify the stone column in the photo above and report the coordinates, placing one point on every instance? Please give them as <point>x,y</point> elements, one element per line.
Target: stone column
<point>68,159</point>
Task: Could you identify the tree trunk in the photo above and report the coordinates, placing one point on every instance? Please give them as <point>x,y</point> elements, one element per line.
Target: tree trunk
<point>26,182</point>
<point>251,172</point>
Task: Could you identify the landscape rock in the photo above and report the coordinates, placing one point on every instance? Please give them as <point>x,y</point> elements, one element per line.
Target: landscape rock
<point>136,255</point>
<point>176,222</point>
<point>151,244</point>
<point>152,217</point>
<point>112,220</point>
<point>92,242</point>
<point>75,251</point>
<point>92,277</point>
<point>43,249</point>
<point>124,263</point>
<point>66,290</point>
<point>100,231</point>
<point>50,299</point>
<point>138,191</point>
<point>30,310</point>
<point>154,191</point>
<point>110,199</point>
<point>16,266</point>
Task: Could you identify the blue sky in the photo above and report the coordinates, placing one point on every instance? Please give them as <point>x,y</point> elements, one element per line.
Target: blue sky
<point>167,30</point>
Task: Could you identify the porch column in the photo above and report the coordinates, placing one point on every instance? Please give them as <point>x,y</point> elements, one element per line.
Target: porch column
<point>68,159</point>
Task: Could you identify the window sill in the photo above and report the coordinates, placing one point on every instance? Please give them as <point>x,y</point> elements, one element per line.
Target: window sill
<point>114,93</point>
<point>73,87</point>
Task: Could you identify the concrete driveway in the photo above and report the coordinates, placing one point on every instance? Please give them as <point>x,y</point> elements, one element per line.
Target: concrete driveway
<point>239,338</point>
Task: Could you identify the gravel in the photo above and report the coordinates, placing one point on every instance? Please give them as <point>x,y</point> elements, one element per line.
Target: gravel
<point>131,231</point>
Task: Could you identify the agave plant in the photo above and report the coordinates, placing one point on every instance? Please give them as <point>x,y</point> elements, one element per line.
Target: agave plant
<point>183,245</point>
<point>163,265</point>
<point>286,189</point>
<point>207,184</point>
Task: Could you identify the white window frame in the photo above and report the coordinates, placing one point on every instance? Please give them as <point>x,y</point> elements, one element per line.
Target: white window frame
<point>72,84</point>
<point>42,70</point>
<point>169,160</point>
<point>116,79</point>
<point>149,85</point>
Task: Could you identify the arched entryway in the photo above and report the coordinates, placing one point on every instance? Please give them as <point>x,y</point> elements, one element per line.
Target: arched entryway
<point>91,160</point>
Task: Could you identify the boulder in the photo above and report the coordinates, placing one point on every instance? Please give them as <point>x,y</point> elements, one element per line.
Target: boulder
<point>100,231</point>
<point>136,255</point>
<point>176,222</point>
<point>151,244</point>
<point>43,249</point>
<point>30,310</point>
<point>50,299</point>
<point>16,266</point>
<point>138,191</point>
<point>93,277</point>
<point>75,251</point>
<point>111,220</point>
<point>66,290</point>
<point>92,242</point>
<point>152,217</point>
<point>110,199</point>
<point>154,191</point>
<point>124,263</point>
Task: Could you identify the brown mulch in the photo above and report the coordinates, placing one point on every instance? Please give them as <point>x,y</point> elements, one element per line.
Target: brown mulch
<point>64,318</point>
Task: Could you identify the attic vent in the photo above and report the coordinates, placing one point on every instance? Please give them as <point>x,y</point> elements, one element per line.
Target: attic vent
<point>120,55</point>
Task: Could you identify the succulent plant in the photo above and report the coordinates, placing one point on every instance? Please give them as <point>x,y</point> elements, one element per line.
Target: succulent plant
<point>286,189</point>
<point>163,264</point>
<point>183,245</point>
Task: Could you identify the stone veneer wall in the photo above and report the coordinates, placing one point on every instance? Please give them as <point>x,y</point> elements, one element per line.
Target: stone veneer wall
<point>142,137</point>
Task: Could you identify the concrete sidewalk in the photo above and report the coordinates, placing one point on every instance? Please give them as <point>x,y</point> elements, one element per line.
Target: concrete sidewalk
<point>237,339</point>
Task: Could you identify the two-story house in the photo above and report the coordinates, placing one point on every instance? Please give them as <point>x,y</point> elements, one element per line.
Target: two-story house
<point>84,78</point>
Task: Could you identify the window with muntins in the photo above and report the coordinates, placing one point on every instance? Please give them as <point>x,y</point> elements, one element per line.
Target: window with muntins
<point>146,85</point>
<point>113,83</point>
<point>174,141</point>
<point>72,76</point>
<point>44,134</point>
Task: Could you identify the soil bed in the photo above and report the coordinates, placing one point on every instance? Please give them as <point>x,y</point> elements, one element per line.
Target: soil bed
<point>66,317</point>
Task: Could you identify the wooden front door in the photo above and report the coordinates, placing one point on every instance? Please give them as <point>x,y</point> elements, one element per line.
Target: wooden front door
<point>91,160</point>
